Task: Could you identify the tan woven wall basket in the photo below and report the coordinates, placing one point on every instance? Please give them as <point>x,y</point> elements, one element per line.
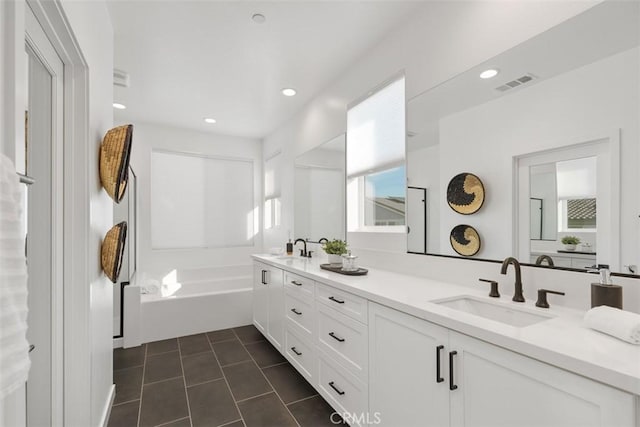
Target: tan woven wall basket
<point>114,161</point>
<point>112,250</point>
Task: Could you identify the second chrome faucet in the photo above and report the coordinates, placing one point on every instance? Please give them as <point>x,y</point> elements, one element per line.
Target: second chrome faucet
<point>517,295</point>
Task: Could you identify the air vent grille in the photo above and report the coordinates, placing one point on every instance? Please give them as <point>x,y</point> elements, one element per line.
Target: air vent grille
<point>515,83</point>
<point>120,78</point>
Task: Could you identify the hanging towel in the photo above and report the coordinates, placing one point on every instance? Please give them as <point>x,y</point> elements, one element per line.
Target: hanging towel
<point>623,325</point>
<point>14,348</point>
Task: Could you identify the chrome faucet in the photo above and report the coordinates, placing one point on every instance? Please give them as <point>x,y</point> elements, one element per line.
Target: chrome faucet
<point>543,258</point>
<point>303,252</point>
<point>517,296</point>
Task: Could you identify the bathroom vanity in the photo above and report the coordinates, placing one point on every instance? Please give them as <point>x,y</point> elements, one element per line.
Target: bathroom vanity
<point>400,350</point>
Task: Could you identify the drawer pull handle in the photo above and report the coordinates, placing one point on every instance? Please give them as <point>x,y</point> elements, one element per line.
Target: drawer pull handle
<point>335,337</point>
<point>336,300</point>
<point>296,351</point>
<point>340,392</point>
<point>439,379</point>
<point>264,282</point>
<point>452,386</point>
<point>296,283</point>
<point>299,313</point>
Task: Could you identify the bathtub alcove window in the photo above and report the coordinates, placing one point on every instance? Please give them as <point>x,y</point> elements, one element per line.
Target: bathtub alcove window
<point>201,201</point>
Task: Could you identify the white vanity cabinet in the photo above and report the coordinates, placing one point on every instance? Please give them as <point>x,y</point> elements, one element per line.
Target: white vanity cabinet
<point>497,387</point>
<point>268,302</point>
<point>476,383</point>
<point>405,387</point>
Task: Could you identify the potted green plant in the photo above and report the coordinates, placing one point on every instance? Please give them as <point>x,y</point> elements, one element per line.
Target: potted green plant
<point>570,242</point>
<point>335,249</point>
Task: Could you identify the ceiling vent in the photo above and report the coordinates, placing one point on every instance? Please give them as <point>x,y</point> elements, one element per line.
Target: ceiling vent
<point>515,83</point>
<point>120,78</point>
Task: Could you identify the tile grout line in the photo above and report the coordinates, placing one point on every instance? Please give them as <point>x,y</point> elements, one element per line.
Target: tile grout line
<point>144,368</point>
<point>124,403</point>
<point>271,385</point>
<point>276,364</point>
<point>303,399</point>
<point>205,382</point>
<point>231,422</point>
<point>184,381</point>
<point>164,380</point>
<point>224,376</point>
<point>253,397</point>
<point>171,422</point>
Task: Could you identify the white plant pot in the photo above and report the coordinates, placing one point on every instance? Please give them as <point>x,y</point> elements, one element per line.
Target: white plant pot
<point>569,247</point>
<point>335,260</point>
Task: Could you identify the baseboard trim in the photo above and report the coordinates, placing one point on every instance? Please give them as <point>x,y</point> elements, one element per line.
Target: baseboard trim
<point>118,342</point>
<point>106,413</point>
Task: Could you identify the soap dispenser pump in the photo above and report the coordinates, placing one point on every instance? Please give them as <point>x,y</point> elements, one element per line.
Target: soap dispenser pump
<point>605,292</point>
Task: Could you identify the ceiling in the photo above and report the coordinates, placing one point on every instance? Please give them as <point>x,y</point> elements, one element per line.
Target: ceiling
<point>188,60</point>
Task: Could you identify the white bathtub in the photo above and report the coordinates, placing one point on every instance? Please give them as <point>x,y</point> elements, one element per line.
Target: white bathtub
<point>220,301</point>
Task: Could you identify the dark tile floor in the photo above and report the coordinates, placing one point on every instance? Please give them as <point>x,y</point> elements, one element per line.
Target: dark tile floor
<point>232,377</point>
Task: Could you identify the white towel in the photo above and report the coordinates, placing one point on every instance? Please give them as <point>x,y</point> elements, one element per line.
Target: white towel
<point>624,325</point>
<point>14,355</point>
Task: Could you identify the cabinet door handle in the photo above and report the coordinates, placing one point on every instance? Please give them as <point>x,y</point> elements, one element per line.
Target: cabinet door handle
<point>336,300</point>
<point>264,277</point>
<point>452,386</point>
<point>296,283</point>
<point>296,351</point>
<point>439,379</point>
<point>340,392</point>
<point>335,337</point>
<point>299,313</point>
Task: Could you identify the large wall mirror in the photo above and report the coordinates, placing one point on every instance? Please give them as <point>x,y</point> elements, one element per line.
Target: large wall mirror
<point>554,136</point>
<point>320,192</point>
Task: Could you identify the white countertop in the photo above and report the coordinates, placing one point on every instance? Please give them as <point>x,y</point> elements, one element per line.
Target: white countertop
<point>562,341</point>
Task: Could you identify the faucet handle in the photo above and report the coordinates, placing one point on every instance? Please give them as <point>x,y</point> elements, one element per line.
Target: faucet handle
<point>494,288</point>
<point>309,254</point>
<point>542,297</point>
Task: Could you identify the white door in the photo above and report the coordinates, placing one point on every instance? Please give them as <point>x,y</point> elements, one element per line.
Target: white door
<point>499,388</point>
<point>43,156</point>
<point>416,220</point>
<point>408,377</point>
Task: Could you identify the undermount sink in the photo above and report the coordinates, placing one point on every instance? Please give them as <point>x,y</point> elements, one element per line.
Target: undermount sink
<point>507,313</point>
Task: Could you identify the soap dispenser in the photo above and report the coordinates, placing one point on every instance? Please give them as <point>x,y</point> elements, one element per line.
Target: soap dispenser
<point>605,292</point>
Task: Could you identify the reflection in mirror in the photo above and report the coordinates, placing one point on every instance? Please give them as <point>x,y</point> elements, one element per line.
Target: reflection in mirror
<point>320,192</point>
<point>574,87</point>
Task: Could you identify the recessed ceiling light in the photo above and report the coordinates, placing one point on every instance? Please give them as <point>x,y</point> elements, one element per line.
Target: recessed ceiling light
<point>119,106</point>
<point>288,91</point>
<point>490,73</point>
<point>210,121</point>
<point>258,18</point>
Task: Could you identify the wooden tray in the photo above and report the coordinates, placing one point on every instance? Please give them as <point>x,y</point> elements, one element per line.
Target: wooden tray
<point>339,270</point>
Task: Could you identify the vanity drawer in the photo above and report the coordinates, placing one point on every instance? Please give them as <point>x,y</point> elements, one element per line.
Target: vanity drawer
<point>300,312</point>
<point>301,355</point>
<point>344,392</point>
<point>349,304</point>
<point>344,339</point>
<point>299,284</point>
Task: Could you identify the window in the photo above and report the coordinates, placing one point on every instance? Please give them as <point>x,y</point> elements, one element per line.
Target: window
<point>576,186</point>
<point>272,191</point>
<point>376,175</point>
<point>201,202</point>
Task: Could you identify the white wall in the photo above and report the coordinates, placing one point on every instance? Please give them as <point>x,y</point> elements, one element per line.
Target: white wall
<point>157,263</point>
<point>91,25</point>
<point>441,40</point>
<point>578,106</point>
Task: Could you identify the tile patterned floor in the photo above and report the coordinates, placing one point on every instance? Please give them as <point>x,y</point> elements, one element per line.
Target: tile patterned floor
<point>232,377</point>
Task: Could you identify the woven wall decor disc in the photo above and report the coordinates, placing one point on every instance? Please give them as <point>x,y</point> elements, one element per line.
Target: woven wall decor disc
<point>114,161</point>
<point>112,250</point>
<point>465,193</point>
<point>465,240</point>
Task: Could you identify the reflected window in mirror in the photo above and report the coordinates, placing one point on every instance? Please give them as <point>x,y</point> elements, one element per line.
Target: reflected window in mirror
<point>272,192</point>
<point>376,175</point>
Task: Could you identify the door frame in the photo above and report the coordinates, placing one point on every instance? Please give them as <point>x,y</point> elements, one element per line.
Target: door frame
<point>74,403</point>
<point>426,223</point>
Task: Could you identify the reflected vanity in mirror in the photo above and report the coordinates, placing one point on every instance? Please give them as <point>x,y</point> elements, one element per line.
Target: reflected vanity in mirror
<point>554,136</point>
<point>320,192</point>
